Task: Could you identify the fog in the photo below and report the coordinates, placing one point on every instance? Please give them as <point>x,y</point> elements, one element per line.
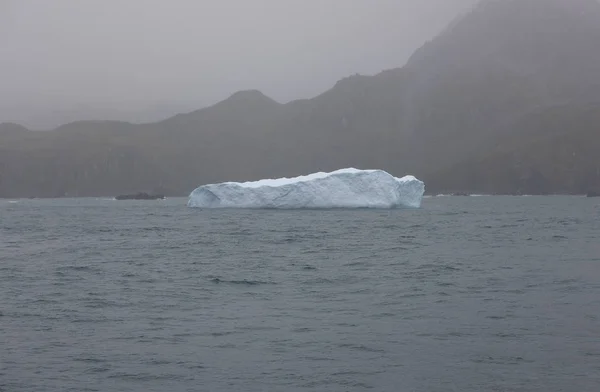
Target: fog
<point>142,60</point>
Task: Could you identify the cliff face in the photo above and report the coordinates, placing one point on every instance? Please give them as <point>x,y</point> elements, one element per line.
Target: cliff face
<point>505,100</point>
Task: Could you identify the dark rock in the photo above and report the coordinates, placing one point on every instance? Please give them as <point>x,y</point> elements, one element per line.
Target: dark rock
<point>140,196</point>
<point>593,194</point>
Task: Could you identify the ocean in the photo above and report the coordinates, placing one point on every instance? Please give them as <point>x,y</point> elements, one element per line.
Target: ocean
<point>464,294</point>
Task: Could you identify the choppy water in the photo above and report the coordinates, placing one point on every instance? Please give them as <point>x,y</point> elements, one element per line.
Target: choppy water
<point>466,294</point>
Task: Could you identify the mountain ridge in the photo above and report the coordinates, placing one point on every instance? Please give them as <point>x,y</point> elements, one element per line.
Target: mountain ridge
<point>477,86</point>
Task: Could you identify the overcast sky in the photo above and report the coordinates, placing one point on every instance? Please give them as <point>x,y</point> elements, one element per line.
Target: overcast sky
<point>72,59</point>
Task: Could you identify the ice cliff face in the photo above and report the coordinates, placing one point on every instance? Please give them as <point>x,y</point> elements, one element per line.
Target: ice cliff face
<point>345,188</point>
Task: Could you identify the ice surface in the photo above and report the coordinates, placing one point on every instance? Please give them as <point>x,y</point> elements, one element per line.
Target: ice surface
<point>345,188</point>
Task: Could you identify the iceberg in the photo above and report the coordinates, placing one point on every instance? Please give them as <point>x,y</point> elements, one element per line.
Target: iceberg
<point>344,188</point>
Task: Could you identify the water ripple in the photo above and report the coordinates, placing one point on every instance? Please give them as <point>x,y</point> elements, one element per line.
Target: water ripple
<point>466,294</point>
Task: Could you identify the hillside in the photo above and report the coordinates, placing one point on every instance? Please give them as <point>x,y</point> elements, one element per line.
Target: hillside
<point>563,160</point>
<point>505,100</point>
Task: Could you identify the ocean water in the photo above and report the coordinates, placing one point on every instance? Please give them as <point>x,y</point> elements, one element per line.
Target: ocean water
<point>464,294</point>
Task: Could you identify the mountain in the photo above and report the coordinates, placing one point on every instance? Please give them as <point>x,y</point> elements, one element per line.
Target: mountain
<point>493,70</point>
<point>12,130</point>
<point>505,100</point>
<point>38,115</point>
<point>553,150</point>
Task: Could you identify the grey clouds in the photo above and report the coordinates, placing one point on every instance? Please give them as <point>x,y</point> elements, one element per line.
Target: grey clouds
<point>141,60</point>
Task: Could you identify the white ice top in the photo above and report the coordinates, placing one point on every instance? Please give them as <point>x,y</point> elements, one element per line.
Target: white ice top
<point>309,177</point>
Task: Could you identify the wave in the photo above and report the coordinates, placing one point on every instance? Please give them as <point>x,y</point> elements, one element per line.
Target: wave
<point>245,282</point>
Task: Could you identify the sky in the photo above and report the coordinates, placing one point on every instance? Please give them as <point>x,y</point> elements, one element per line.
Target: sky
<point>144,60</point>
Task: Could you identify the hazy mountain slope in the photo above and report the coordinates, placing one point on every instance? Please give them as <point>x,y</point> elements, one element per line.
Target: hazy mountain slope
<point>507,90</point>
<point>504,60</point>
<point>564,160</point>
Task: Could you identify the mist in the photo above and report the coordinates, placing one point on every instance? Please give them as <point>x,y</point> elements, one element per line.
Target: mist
<point>144,60</point>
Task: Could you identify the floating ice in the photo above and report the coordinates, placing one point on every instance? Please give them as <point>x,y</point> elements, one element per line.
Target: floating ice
<point>345,188</point>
